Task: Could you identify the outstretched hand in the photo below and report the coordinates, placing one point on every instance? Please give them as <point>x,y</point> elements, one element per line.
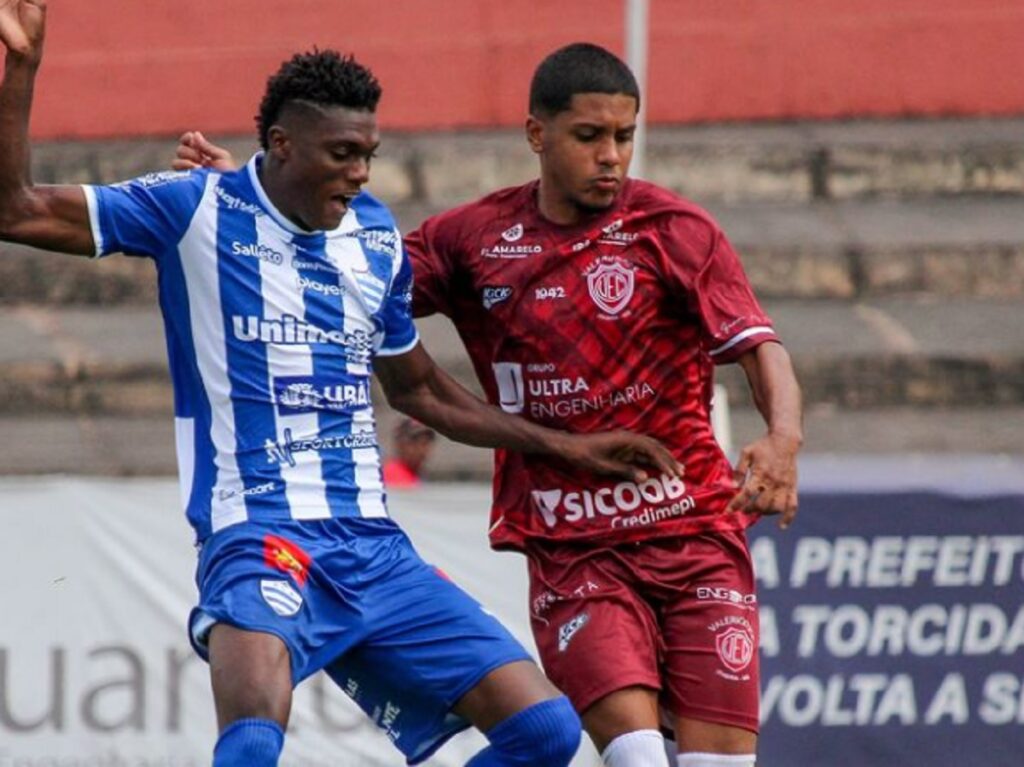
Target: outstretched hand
<point>194,151</point>
<point>766,476</point>
<point>22,25</point>
<point>620,454</point>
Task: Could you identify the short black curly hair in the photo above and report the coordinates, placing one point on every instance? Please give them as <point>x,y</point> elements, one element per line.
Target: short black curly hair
<point>578,68</point>
<point>322,77</point>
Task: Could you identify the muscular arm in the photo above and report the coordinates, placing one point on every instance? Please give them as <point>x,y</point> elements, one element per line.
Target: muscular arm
<point>50,217</point>
<point>767,466</point>
<point>416,386</point>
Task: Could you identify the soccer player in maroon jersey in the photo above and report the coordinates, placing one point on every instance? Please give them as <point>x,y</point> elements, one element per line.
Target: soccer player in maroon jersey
<point>587,301</point>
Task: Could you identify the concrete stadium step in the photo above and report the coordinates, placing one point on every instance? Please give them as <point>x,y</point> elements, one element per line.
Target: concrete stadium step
<point>925,352</point>
<point>853,249</point>
<point>144,445</point>
<point>788,162</point>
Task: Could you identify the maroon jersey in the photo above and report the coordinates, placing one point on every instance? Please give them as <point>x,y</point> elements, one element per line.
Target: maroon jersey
<point>613,324</point>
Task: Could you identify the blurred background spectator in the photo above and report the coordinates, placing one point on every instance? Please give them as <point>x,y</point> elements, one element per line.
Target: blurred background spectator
<point>411,445</point>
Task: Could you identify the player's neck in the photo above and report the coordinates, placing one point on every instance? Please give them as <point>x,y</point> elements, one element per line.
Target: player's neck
<point>563,211</point>
<point>557,209</point>
<point>278,192</point>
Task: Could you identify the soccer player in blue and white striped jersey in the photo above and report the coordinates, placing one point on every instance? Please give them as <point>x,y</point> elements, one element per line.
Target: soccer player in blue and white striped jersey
<point>282,287</point>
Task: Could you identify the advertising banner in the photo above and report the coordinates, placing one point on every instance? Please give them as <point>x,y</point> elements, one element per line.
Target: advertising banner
<point>892,623</point>
<point>892,620</point>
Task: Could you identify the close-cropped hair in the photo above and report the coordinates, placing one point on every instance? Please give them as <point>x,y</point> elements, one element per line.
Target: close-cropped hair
<point>578,68</point>
<point>325,78</point>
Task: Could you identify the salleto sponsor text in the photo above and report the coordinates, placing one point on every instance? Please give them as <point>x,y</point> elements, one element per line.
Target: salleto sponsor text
<point>257,250</point>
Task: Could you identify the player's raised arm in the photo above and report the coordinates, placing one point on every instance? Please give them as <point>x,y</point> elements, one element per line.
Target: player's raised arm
<point>766,471</point>
<point>416,386</point>
<point>50,217</point>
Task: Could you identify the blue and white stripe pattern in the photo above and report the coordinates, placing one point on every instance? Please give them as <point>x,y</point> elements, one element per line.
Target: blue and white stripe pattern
<point>271,333</point>
<point>281,596</point>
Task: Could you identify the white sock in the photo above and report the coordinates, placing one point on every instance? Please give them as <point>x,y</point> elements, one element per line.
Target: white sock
<point>640,748</point>
<point>696,759</point>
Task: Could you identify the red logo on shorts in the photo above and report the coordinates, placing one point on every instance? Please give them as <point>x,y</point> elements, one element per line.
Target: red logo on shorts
<point>735,648</point>
<point>284,555</point>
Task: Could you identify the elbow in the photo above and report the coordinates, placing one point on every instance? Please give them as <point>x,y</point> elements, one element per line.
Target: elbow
<point>15,210</point>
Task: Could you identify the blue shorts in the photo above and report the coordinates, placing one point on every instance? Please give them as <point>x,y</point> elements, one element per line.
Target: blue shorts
<point>353,597</point>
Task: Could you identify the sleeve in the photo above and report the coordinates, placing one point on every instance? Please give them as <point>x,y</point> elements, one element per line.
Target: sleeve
<point>400,333</point>
<point>144,216</point>
<point>427,251</point>
<point>704,264</point>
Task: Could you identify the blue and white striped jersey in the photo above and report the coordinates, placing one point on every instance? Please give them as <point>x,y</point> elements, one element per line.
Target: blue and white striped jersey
<point>271,333</point>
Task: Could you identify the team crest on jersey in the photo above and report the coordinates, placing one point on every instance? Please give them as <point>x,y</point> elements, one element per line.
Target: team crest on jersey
<point>371,287</point>
<point>610,281</point>
<point>513,233</point>
<point>281,596</point>
<point>734,642</point>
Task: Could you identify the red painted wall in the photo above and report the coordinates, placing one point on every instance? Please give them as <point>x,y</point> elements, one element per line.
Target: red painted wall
<point>128,67</point>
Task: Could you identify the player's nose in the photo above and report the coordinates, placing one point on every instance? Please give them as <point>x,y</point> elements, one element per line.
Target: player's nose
<point>608,153</point>
<point>358,172</point>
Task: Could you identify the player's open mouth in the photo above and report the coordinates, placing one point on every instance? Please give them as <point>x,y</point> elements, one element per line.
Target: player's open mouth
<point>342,201</point>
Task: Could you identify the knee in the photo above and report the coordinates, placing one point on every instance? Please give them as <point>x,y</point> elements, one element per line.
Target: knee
<point>561,736</point>
<point>546,734</point>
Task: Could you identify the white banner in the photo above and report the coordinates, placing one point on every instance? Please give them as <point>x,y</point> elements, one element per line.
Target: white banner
<point>95,665</point>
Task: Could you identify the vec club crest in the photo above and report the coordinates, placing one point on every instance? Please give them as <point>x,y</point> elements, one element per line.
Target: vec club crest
<point>735,648</point>
<point>611,286</point>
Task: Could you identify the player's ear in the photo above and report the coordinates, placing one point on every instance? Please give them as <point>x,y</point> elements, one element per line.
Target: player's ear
<point>278,142</point>
<point>535,134</point>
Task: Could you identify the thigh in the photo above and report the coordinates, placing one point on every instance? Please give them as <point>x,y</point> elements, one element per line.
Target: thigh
<point>250,674</point>
<point>710,634</point>
<point>595,633</point>
<point>429,645</point>
<point>505,692</point>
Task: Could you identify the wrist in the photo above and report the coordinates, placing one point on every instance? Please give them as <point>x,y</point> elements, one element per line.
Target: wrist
<point>792,437</point>
<point>556,442</point>
<point>26,61</point>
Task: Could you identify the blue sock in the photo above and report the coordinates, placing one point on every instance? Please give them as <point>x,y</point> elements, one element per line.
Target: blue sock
<point>249,743</point>
<point>544,735</point>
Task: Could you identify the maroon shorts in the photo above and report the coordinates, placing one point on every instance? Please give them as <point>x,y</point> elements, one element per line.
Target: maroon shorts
<point>678,615</point>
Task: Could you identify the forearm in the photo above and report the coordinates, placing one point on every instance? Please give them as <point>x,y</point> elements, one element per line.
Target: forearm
<point>446,406</point>
<point>15,106</point>
<point>775,390</point>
